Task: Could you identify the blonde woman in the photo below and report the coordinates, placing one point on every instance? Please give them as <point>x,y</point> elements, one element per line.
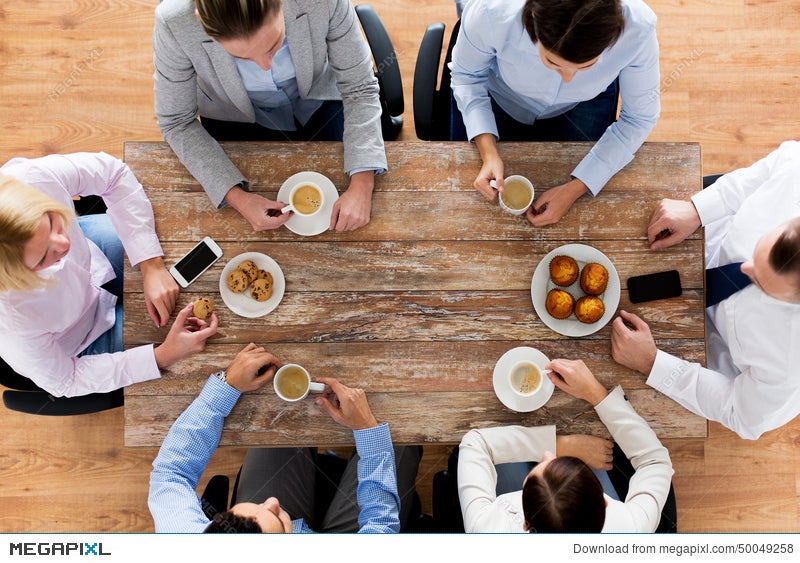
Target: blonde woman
<point>61,277</point>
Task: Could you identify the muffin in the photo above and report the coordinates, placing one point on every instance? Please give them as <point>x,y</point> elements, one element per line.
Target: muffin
<point>589,309</point>
<point>563,270</point>
<point>202,308</point>
<point>249,267</point>
<point>559,303</point>
<point>594,278</point>
<point>261,290</point>
<point>238,281</point>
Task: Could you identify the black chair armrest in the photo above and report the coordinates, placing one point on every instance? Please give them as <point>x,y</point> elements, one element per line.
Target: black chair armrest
<point>388,69</point>
<point>214,499</point>
<point>41,403</point>
<point>425,77</point>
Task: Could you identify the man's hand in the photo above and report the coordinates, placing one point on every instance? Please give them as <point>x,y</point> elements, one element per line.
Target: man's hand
<point>252,368</point>
<point>492,168</point>
<point>632,345</point>
<point>553,204</point>
<point>263,214</point>
<point>187,336</point>
<point>346,405</point>
<point>160,290</point>
<point>595,452</point>
<point>672,222</point>
<point>354,207</point>
<point>573,377</point>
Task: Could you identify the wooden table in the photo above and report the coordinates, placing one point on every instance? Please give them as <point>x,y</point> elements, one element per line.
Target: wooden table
<point>417,306</point>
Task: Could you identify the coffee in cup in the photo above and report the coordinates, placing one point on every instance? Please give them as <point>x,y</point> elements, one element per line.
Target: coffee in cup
<point>517,195</point>
<point>293,383</point>
<point>306,198</point>
<point>525,378</point>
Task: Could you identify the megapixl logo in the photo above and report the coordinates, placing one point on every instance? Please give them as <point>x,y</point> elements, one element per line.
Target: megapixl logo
<point>48,548</point>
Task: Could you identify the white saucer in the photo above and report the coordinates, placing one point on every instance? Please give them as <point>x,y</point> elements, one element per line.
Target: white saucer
<point>502,387</point>
<point>241,303</point>
<point>541,284</point>
<point>320,221</point>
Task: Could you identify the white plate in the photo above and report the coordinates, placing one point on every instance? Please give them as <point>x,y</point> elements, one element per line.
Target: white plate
<point>320,221</point>
<point>541,284</point>
<point>502,386</point>
<point>241,303</point>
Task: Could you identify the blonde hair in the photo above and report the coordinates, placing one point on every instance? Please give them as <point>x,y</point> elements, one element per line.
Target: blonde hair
<point>21,210</point>
<point>235,19</point>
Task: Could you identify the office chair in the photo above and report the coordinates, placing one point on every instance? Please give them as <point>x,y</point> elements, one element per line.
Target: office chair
<point>330,468</point>
<point>447,508</point>
<point>387,71</point>
<point>432,106</point>
<point>25,396</point>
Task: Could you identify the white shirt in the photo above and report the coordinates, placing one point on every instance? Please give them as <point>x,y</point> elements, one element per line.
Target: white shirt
<point>44,330</point>
<point>481,450</point>
<point>752,383</point>
<point>495,55</point>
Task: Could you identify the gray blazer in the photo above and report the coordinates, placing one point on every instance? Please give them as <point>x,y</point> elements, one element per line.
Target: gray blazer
<point>195,76</point>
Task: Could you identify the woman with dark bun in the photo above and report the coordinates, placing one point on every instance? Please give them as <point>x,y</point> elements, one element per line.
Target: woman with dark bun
<point>551,70</point>
<point>562,493</point>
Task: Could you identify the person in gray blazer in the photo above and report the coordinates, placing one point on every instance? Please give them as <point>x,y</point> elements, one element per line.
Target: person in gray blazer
<point>267,70</point>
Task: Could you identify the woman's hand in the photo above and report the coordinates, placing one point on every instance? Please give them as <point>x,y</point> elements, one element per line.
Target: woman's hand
<point>595,452</point>
<point>187,336</point>
<point>573,377</point>
<point>492,168</point>
<point>553,204</point>
<point>263,214</point>
<point>160,290</point>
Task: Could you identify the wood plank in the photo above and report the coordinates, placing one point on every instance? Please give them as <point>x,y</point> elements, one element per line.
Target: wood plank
<point>383,367</point>
<point>446,417</point>
<point>424,265</point>
<point>410,317</point>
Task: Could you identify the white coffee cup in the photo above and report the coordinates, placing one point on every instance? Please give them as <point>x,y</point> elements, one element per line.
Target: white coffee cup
<point>525,378</point>
<point>517,194</point>
<point>305,199</point>
<point>293,383</point>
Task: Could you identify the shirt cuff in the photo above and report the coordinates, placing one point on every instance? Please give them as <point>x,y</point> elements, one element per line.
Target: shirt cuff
<point>220,395</point>
<point>615,396</point>
<point>593,173</point>
<point>666,371</point>
<point>378,171</point>
<point>244,184</point>
<point>373,439</point>
<point>709,205</point>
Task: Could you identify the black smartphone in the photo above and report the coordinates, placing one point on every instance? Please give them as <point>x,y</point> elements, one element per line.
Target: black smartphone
<point>650,287</point>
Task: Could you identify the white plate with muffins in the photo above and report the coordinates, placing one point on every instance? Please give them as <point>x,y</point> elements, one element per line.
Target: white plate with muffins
<point>252,284</point>
<point>575,290</point>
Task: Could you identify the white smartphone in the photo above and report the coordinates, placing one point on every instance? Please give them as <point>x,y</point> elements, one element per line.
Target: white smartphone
<point>196,261</point>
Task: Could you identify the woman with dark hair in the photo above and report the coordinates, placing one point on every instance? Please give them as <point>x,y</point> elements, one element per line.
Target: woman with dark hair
<point>551,70</point>
<point>563,494</point>
<point>267,70</point>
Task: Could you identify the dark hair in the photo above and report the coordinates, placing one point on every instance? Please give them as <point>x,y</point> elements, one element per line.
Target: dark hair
<point>575,30</point>
<point>235,19</point>
<point>229,523</point>
<point>784,256</point>
<point>567,498</point>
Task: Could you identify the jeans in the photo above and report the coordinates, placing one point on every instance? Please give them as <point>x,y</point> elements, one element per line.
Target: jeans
<point>585,122</point>
<point>326,124</point>
<point>99,230</point>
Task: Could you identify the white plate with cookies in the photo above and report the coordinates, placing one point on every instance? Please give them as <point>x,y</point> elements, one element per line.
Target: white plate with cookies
<point>542,283</point>
<point>245,284</point>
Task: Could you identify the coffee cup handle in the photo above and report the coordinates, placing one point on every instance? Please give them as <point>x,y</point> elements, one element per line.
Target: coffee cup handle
<point>287,208</point>
<point>493,184</point>
<point>315,387</point>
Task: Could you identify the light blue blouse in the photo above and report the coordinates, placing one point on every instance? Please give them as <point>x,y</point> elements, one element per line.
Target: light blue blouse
<point>495,56</point>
